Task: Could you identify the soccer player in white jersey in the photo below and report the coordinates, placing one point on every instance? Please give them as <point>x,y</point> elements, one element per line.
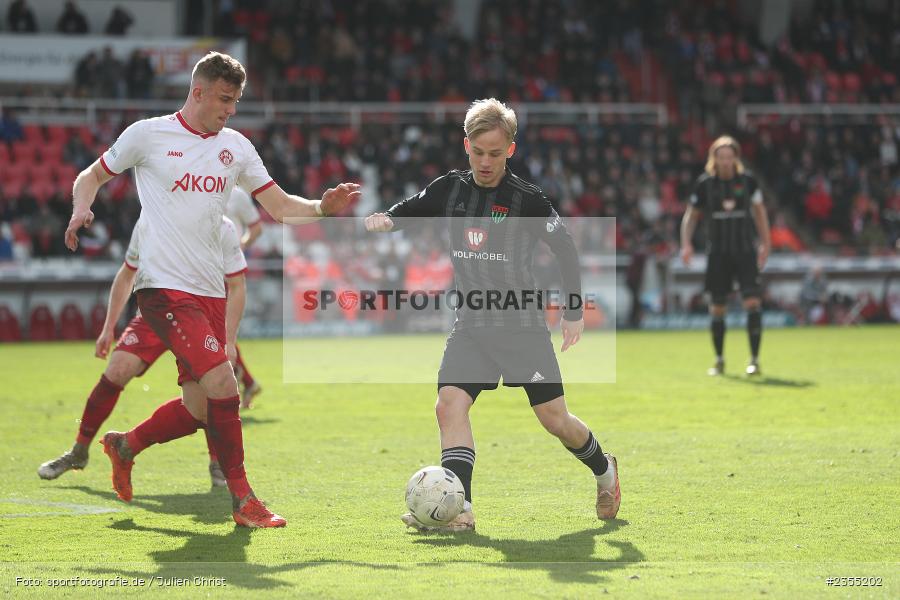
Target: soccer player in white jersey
<point>243,213</point>
<point>185,166</point>
<point>138,349</point>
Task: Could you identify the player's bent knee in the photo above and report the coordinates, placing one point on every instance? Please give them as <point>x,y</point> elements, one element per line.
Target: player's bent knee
<point>556,425</point>
<point>452,402</point>
<point>554,416</point>
<point>123,367</point>
<point>219,382</point>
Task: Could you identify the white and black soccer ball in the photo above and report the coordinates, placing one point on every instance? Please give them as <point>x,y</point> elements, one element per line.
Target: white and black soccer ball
<point>435,496</point>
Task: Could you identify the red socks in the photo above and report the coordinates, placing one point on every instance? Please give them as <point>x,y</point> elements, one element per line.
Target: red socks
<point>224,426</point>
<point>169,422</point>
<point>99,404</point>
<point>246,377</point>
<point>213,457</point>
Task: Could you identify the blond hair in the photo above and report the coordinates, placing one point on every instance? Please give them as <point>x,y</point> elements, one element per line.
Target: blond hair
<point>215,66</point>
<point>487,115</point>
<point>724,141</point>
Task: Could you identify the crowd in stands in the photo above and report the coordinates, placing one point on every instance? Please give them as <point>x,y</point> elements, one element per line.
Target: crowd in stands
<point>72,21</point>
<point>828,183</point>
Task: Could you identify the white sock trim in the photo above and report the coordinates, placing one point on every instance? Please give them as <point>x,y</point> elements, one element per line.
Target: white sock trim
<point>608,479</point>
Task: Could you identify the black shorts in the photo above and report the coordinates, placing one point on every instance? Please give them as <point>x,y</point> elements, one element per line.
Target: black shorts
<point>722,270</point>
<point>476,358</point>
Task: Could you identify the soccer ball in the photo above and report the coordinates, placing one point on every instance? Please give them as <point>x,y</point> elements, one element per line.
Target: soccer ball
<point>435,496</point>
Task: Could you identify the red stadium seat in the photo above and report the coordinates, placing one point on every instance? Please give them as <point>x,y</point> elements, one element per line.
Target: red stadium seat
<point>71,323</point>
<point>852,82</point>
<point>9,325</point>
<point>12,188</point>
<point>66,174</point>
<point>98,317</point>
<point>52,152</point>
<point>41,326</point>
<point>4,154</point>
<point>41,171</point>
<point>33,133</point>
<point>86,135</point>
<point>57,134</point>
<point>14,173</point>
<point>25,151</point>
<point>42,190</point>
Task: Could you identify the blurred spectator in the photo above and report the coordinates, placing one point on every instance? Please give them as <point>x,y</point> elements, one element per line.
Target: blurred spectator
<point>87,74</point>
<point>783,237</point>
<point>110,79</point>
<point>119,22</point>
<point>818,204</point>
<point>72,20</point>
<point>139,75</point>
<point>10,128</point>
<point>814,296</point>
<point>20,17</point>
<point>6,242</point>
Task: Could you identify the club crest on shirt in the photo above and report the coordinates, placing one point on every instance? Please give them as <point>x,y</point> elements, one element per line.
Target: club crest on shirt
<point>226,157</point>
<point>475,238</point>
<point>729,203</point>
<point>498,213</point>
<point>553,223</point>
<point>211,343</point>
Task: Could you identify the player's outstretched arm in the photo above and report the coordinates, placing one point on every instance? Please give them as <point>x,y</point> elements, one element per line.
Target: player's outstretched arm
<point>84,192</point>
<point>234,311</point>
<point>118,297</point>
<point>688,225</point>
<point>287,208</point>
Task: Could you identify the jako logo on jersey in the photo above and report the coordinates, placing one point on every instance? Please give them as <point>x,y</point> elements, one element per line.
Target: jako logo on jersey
<point>475,238</point>
<point>729,203</point>
<point>226,157</point>
<point>498,213</point>
<point>211,343</point>
<point>130,340</point>
<point>175,153</point>
<point>199,183</point>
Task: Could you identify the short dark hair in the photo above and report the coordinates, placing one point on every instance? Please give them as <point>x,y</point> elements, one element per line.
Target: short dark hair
<point>215,66</point>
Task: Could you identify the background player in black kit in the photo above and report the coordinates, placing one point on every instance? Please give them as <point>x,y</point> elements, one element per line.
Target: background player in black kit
<point>730,198</point>
<point>492,248</point>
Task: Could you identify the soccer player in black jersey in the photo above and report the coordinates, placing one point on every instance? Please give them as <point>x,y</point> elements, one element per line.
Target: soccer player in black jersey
<point>495,219</point>
<point>738,242</point>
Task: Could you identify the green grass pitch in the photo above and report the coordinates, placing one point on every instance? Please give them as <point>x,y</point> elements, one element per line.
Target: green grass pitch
<point>731,487</point>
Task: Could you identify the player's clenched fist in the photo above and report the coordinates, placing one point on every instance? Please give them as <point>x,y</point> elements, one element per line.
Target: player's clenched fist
<point>336,199</point>
<point>379,222</point>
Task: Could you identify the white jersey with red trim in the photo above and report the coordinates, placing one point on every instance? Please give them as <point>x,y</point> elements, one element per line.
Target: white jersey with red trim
<point>183,179</point>
<point>241,210</point>
<point>233,260</point>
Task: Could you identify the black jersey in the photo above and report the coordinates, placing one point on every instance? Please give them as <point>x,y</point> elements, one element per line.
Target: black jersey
<point>493,233</point>
<point>726,204</point>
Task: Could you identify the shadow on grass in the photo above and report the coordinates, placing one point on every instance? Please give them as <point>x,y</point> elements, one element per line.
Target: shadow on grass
<point>764,380</point>
<point>254,420</point>
<point>212,507</point>
<point>569,558</point>
<point>229,553</point>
